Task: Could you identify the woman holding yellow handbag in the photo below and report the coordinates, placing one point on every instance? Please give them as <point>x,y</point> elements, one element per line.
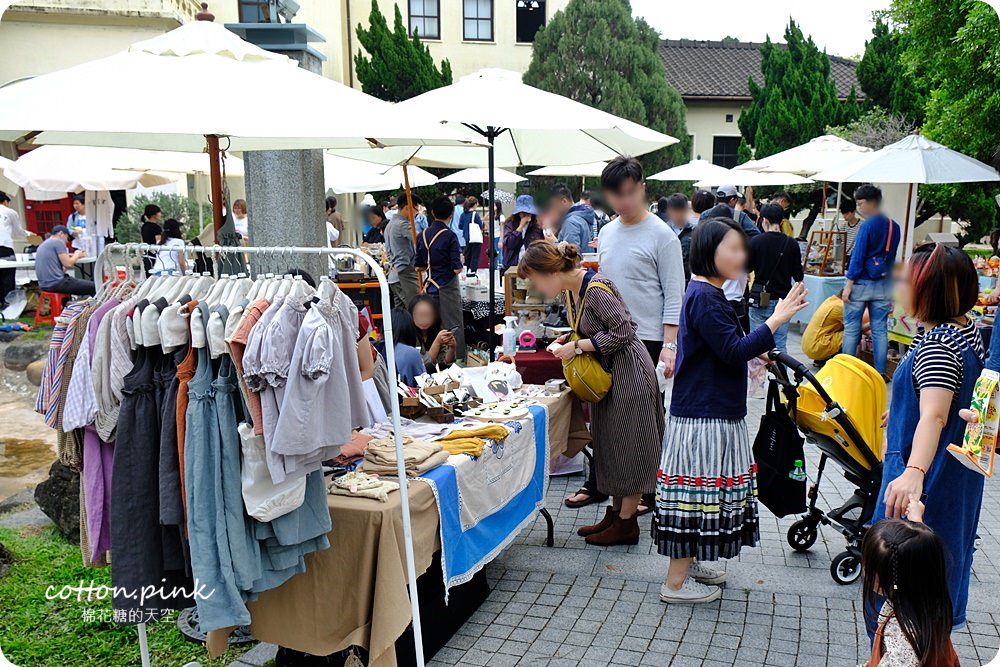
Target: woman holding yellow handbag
<point>626,414</point>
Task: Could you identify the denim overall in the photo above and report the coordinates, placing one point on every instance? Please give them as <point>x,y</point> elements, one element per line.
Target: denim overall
<point>954,494</point>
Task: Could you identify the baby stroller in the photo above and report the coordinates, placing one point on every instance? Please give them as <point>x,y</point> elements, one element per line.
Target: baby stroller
<point>839,410</point>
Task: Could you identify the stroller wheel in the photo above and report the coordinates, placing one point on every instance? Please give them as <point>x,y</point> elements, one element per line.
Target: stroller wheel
<point>845,568</point>
<point>802,535</point>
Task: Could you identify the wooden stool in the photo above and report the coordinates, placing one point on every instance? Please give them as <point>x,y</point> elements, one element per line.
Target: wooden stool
<point>54,301</point>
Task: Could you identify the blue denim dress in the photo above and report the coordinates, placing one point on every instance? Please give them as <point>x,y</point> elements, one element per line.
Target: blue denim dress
<point>954,493</point>
<point>212,560</point>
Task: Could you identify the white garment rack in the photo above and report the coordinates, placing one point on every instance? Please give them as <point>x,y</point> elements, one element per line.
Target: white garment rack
<point>215,252</point>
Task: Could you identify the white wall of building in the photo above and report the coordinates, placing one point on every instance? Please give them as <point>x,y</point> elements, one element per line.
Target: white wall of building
<point>707,120</point>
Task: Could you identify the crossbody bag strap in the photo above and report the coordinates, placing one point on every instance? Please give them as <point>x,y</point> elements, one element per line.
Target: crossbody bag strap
<point>427,245</point>
<point>575,321</point>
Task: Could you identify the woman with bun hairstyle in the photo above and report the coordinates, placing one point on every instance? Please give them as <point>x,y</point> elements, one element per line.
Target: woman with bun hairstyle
<point>627,424</point>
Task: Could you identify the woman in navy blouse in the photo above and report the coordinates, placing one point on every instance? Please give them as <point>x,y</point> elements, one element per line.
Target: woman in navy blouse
<point>706,504</point>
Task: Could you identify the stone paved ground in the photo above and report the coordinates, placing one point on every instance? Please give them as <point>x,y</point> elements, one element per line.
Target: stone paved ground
<point>581,605</point>
<point>575,604</point>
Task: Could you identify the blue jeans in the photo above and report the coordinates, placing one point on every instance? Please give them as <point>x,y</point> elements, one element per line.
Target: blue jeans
<point>993,361</point>
<point>876,296</point>
<point>759,315</point>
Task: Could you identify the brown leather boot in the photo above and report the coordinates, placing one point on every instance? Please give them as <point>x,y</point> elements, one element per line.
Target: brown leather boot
<point>621,531</point>
<point>604,524</point>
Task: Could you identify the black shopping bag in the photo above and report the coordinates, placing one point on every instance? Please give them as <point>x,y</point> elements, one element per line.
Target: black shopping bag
<point>776,449</point>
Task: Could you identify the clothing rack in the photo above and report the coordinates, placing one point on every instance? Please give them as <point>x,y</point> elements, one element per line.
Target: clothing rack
<point>216,251</point>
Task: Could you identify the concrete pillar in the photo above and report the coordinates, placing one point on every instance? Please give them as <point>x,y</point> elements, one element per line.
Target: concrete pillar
<point>285,192</point>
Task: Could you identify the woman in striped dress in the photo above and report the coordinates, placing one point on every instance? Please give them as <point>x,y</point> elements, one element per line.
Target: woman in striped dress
<point>627,425</point>
<point>706,504</point>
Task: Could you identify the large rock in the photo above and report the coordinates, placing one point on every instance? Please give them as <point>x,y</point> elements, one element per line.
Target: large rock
<point>34,371</point>
<point>19,355</point>
<point>59,498</point>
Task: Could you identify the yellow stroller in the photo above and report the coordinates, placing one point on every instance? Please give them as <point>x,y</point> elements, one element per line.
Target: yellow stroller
<point>839,410</point>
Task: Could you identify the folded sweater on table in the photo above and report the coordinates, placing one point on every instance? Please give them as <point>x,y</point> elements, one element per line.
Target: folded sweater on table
<point>440,458</point>
<point>472,440</point>
<point>419,456</point>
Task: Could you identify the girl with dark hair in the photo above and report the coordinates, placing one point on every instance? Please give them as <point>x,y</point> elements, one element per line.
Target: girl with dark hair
<point>409,363</point>
<point>173,261</point>
<point>627,423</point>
<point>904,565</point>
<point>378,221</point>
<point>935,379</point>
<point>706,502</point>
<point>472,231</point>
<point>436,345</point>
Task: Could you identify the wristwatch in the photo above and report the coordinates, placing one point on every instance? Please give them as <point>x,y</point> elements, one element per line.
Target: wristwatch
<point>670,346</point>
<point>576,346</point>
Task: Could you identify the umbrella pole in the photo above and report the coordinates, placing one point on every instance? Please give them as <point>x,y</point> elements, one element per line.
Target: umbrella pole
<point>216,177</point>
<point>413,225</point>
<point>491,136</point>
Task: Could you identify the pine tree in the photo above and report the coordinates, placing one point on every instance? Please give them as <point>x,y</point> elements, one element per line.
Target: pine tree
<point>798,99</point>
<point>399,66</point>
<point>596,53</point>
<point>885,80</point>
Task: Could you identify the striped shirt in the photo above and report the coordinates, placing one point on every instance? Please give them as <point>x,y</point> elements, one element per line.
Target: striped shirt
<point>938,362</point>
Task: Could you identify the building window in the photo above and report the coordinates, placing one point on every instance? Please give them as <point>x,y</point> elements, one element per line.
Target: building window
<point>425,18</point>
<point>725,151</point>
<point>478,23</point>
<point>530,19</point>
<point>729,118</point>
<point>255,11</point>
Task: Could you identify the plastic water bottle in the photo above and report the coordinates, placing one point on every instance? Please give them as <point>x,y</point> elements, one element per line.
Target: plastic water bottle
<point>798,473</point>
<point>510,336</point>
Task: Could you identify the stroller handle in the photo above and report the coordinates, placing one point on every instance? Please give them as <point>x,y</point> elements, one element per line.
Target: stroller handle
<point>800,370</point>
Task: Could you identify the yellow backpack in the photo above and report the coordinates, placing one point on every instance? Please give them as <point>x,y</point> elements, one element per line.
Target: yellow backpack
<point>584,373</point>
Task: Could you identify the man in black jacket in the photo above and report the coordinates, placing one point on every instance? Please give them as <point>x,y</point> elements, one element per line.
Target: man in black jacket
<point>675,211</point>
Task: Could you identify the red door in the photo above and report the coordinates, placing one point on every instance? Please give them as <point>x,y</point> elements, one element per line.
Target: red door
<point>42,216</point>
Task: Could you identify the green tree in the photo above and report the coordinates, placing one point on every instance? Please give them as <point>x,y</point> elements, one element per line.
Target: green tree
<point>885,80</point>
<point>596,53</point>
<point>952,48</point>
<point>398,66</point>
<point>798,99</point>
<point>875,128</point>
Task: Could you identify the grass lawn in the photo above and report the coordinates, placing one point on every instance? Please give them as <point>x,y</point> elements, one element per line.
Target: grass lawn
<point>36,632</point>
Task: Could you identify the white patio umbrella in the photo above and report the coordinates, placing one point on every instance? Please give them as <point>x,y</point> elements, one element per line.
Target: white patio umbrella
<point>813,156</point>
<point>344,175</point>
<point>65,169</point>
<point>912,160</point>
<point>293,111</point>
<point>480,175</point>
<point>695,170</point>
<point>743,177</point>
<point>542,128</point>
<point>587,169</point>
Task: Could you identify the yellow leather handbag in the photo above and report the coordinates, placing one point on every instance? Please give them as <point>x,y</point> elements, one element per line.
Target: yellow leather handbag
<point>584,373</point>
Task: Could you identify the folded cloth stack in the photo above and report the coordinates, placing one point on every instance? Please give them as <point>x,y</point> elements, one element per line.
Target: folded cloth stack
<point>472,440</point>
<point>354,450</point>
<point>419,456</point>
<point>360,485</point>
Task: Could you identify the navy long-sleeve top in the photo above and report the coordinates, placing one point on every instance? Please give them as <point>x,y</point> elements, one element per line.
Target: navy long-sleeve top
<point>870,242</point>
<point>710,377</point>
<point>444,256</point>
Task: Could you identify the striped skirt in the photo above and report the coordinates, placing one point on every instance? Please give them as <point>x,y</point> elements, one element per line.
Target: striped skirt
<point>706,490</point>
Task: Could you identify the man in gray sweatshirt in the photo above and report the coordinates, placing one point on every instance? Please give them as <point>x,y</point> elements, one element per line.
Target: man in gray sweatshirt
<point>402,253</point>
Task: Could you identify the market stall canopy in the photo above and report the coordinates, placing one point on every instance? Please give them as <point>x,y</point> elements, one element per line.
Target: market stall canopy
<point>291,109</point>
<point>62,169</point>
<point>816,155</point>
<point>591,169</point>
<point>482,175</point>
<point>695,170</point>
<point>345,176</point>
<point>743,177</point>
<point>541,128</point>
<point>912,159</point>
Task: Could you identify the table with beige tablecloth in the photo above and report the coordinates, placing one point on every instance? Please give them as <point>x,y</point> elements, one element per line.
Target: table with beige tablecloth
<point>355,592</point>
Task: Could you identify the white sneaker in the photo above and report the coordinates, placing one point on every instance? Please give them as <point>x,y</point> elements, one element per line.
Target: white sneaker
<point>705,574</point>
<point>691,593</point>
